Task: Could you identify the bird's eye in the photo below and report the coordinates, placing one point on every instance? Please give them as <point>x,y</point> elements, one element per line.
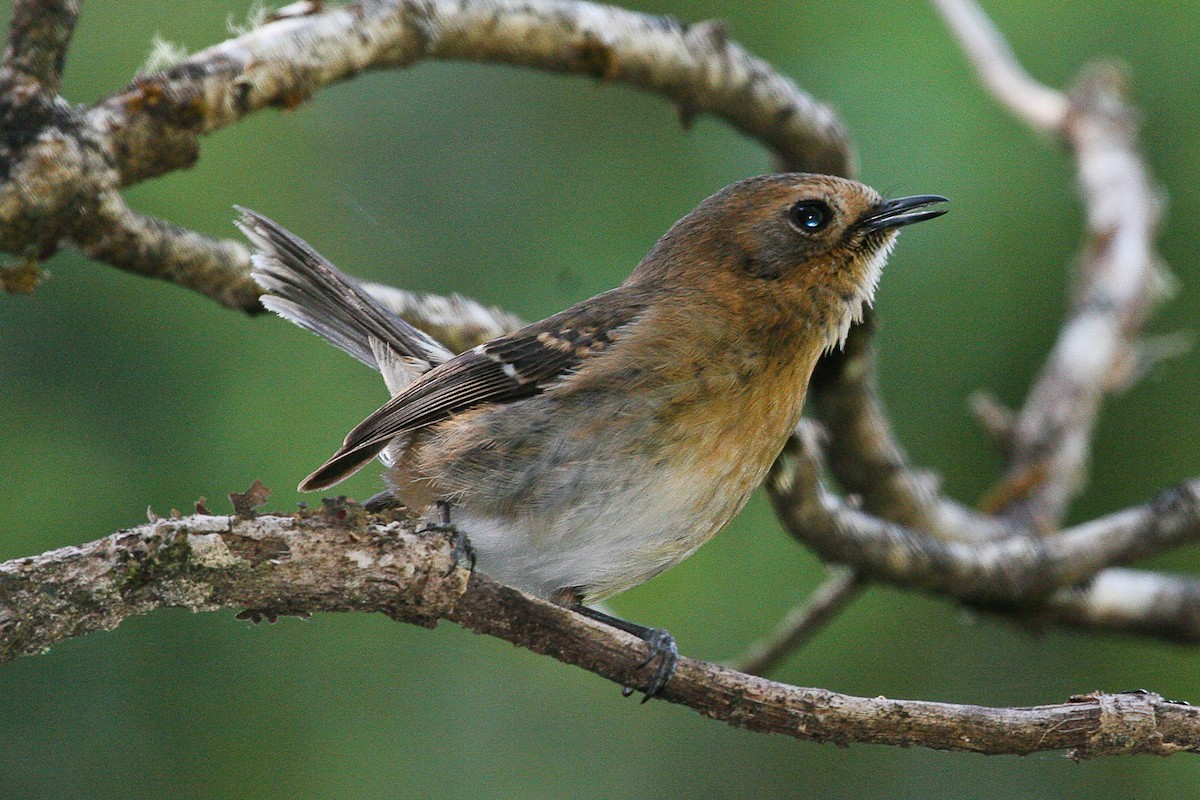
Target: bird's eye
<point>809,216</point>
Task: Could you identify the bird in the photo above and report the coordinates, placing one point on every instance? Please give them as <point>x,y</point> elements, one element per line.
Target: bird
<point>583,454</point>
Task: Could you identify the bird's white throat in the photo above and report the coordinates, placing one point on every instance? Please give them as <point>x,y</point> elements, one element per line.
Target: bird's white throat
<point>863,298</point>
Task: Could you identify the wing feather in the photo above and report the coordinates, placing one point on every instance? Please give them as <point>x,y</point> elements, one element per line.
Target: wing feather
<point>516,366</point>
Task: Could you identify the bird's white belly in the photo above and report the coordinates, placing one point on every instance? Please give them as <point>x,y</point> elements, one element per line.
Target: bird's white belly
<point>626,534</point>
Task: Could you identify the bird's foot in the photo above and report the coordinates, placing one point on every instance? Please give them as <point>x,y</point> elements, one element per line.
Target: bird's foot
<point>662,650</point>
<point>461,548</point>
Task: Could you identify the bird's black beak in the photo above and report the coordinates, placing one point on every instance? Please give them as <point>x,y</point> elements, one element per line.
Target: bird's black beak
<point>902,211</point>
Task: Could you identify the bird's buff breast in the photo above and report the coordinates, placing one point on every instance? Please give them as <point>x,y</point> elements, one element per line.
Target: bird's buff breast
<point>604,509</point>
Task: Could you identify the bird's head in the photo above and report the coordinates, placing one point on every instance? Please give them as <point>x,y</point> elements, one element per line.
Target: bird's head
<point>813,245</point>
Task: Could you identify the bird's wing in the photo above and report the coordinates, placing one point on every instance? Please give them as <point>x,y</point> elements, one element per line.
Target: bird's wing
<point>304,288</point>
<point>518,365</point>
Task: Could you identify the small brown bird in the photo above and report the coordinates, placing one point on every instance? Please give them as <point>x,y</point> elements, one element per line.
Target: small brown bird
<point>586,453</point>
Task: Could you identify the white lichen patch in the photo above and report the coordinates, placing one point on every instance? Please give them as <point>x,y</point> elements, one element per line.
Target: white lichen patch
<point>255,17</point>
<point>209,550</point>
<point>361,558</point>
<point>163,55</point>
<point>1121,593</point>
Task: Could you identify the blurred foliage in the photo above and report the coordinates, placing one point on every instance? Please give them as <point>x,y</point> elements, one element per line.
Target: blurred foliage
<point>532,191</point>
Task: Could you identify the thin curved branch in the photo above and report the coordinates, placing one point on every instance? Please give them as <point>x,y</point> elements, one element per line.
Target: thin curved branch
<point>1117,281</point>
<point>837,591</point>
<point>1041,107</point>
<point>1129,601</point>
<point>296,565</point>
<point>283,62</point>
<point>72,160</point>
<point>145,245</point>
<point>1062,578</point>
<point>868,460</point>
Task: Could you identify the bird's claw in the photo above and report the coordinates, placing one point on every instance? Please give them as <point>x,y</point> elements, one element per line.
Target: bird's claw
<point>461,548</point>
<point>661,647</point>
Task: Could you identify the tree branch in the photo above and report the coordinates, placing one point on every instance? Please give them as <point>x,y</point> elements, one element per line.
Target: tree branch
<point>867,459</point>
<point>38,35</point>
<point>1039,106</point>
<point>1116,283</point>
<point>458,322</point>
<point>1129,601</point>
<point>1060,578</point>
<point>283,62</point>
<point>71,163</point>
<point>148,246</point>
<point>318,562</point>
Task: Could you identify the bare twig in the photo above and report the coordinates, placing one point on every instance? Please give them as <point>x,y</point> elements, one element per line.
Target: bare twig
<point>867,459</point>
<point>802,622</point>
<point>1118,278</point>
<point>995,417</point>
<point>1130,601</point>
<point>295,565</point>
<point>865,456</point>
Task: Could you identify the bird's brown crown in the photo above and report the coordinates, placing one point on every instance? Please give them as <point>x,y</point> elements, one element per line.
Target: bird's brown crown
<point>811,245</point>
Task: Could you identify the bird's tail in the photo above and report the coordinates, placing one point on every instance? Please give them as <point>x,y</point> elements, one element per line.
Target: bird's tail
<point>304,288</point>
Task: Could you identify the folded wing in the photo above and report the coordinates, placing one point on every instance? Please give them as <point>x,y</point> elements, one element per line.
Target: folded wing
<point>510,368</point>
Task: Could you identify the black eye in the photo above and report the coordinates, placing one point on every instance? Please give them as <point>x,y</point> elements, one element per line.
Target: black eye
<point>809,216</point>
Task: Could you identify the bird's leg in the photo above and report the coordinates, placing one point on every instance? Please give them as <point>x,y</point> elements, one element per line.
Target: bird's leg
<point>662,648</point>
<point>460,546</point>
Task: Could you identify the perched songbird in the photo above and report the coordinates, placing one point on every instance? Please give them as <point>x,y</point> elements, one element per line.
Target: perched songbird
<point>586,453</point>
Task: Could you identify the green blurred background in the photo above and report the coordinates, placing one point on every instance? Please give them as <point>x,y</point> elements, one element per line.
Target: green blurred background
<point>531,192</point>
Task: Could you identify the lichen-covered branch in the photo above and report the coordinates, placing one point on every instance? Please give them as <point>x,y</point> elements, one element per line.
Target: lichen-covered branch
<point>145,245</point>
<point>283,565</point>
<point>351,562</point>
<point>68,163</point>
<point>282,63</point>
<point>38,34</point>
